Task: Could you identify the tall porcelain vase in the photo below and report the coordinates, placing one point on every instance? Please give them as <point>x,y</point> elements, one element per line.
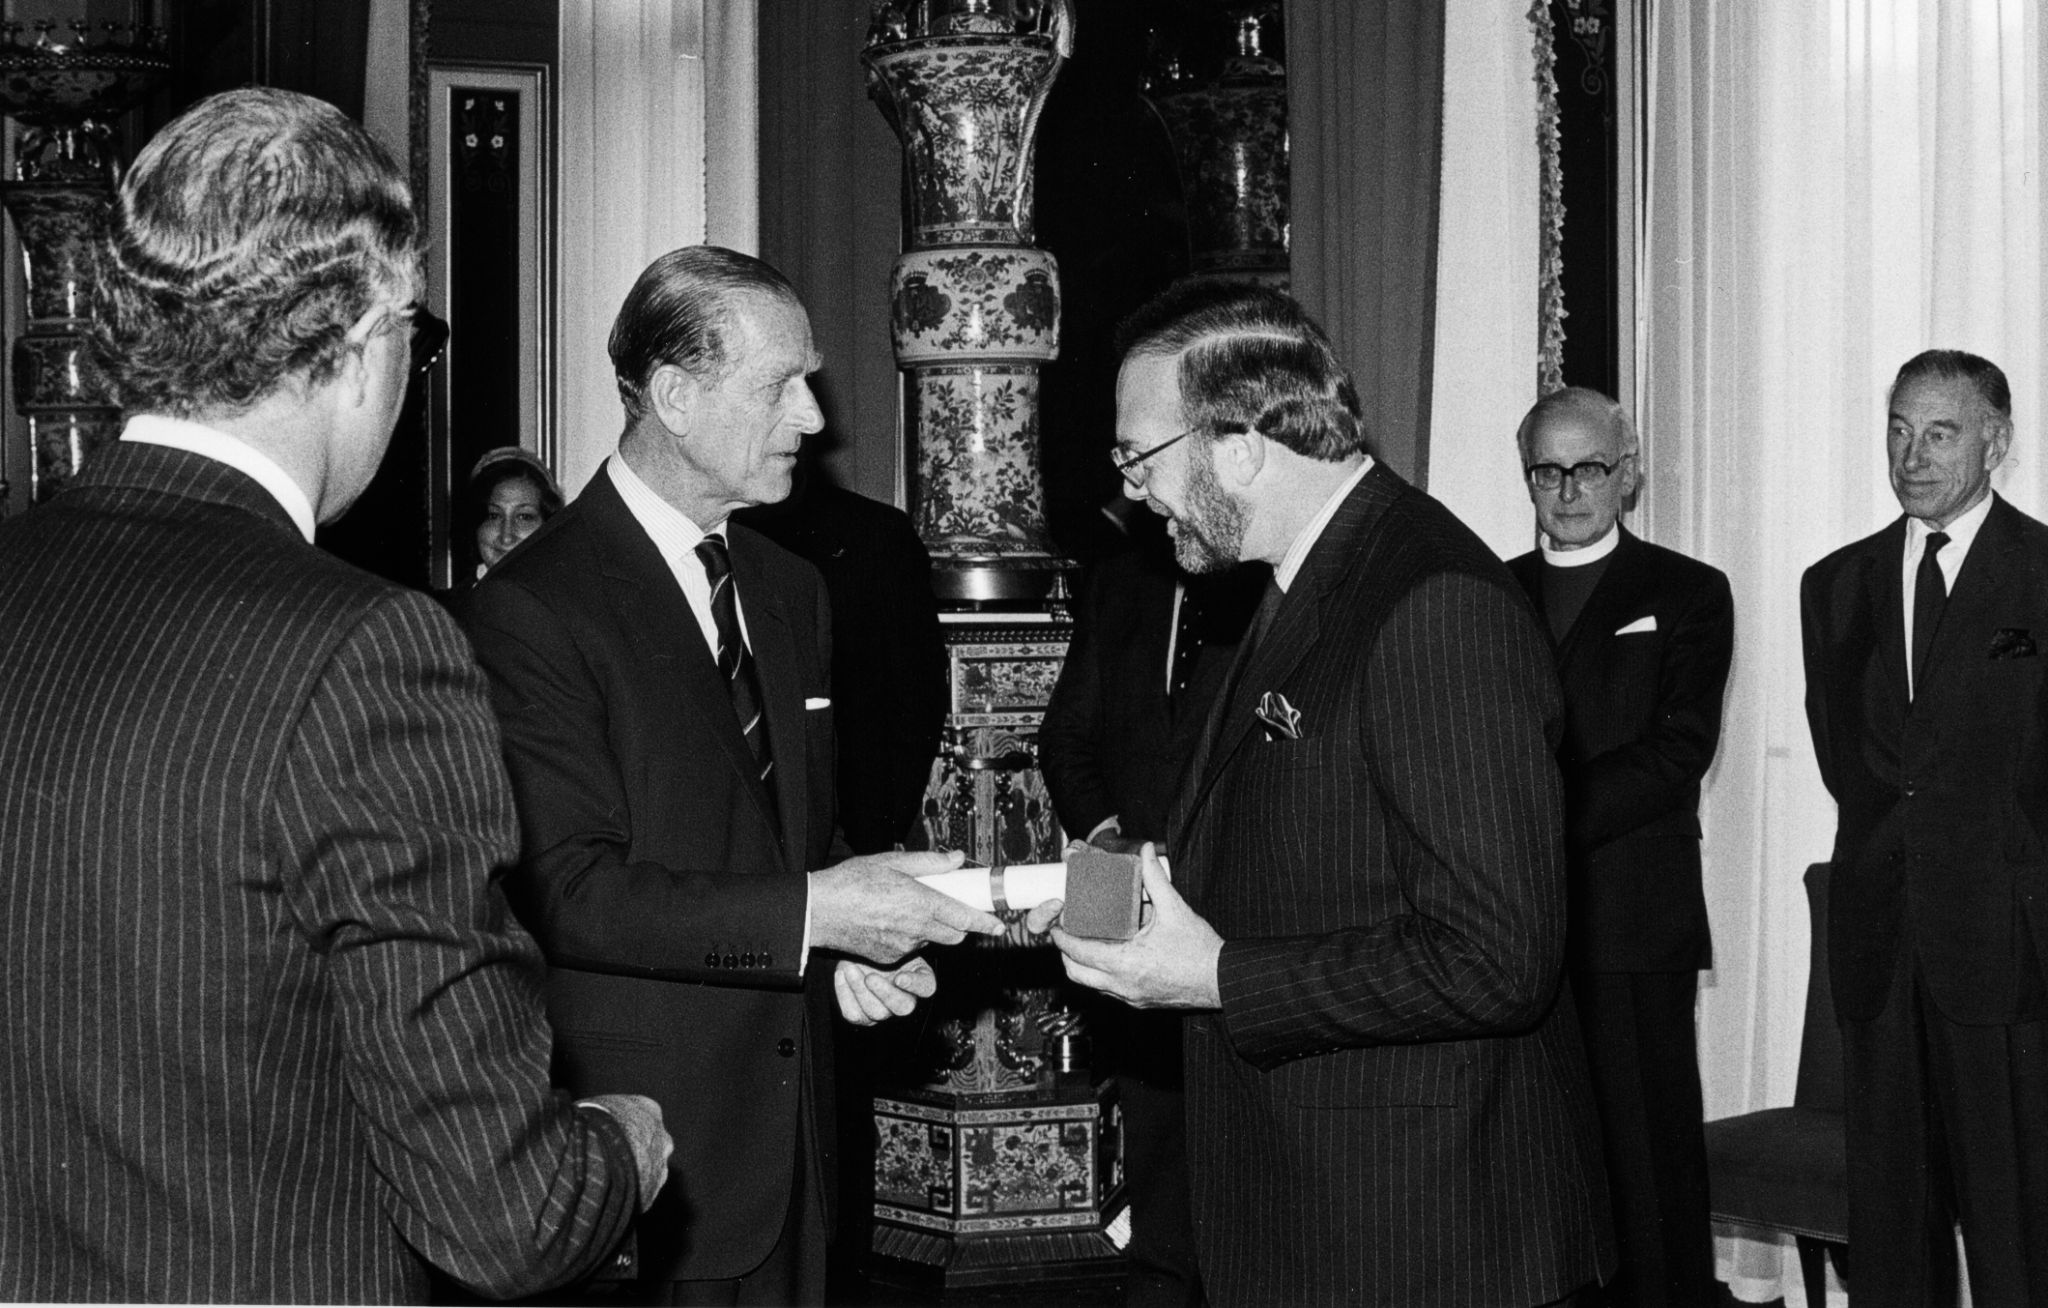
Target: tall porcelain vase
<point>975,308</point>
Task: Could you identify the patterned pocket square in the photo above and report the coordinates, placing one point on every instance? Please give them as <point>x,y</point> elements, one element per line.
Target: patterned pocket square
<point>2012,643</point>
<point>1280,717</point>
<point>1648,622</point>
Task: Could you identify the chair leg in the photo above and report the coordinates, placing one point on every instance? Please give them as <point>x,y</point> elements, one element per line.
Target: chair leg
<point>1813,1269</point>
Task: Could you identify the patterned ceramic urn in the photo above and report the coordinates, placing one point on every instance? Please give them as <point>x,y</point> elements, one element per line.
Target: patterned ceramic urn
<point>1229,135</point>
<point>974,308</point>
<point>66,90</point>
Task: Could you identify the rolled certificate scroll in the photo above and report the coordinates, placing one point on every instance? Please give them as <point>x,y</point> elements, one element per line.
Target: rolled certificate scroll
<point>1102,890</point>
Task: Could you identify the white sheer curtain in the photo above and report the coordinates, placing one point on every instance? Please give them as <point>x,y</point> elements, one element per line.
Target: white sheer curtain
<point>639,174</point>
<point>1487,266</point>
<point>1834,185</point>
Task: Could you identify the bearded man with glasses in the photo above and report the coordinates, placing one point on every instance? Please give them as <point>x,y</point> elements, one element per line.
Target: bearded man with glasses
<point>1643,638</point>
<point>1364,925</point>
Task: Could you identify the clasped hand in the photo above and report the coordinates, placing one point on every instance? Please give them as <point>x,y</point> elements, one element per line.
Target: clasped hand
<point>1170,963</point>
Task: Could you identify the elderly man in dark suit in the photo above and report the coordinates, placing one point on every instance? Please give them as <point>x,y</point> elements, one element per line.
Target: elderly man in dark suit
<point>268,1031</point>
<point>663,681</point>
<point>1926,695</point>
<point>1387,1098</point>
<point>1644,637</point>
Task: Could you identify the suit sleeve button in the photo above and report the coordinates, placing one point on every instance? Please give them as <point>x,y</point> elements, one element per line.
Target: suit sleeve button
<point>731,961</point>
<point>786,1047</point>
<point>711,960</point>
<point>767,959</point>
<point>746,960</point>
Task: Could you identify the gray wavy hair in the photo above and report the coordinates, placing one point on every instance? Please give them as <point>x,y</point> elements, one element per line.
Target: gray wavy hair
<point>252,232</point>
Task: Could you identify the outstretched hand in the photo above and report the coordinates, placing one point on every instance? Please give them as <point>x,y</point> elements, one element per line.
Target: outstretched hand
<point>1170,963</point>
<point>868,994</point>
<point>872,906</point>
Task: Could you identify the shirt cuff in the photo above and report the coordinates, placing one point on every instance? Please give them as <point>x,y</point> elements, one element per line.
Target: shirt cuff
<point>1107,824</point>
<point>803,954</point>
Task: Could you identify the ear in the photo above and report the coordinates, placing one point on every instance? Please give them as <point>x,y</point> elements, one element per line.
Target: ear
<point>673,396</point>
<point>352,379</point>
<point>2001,442</point>
<point>1238,456</point>
<point>1631,474</point>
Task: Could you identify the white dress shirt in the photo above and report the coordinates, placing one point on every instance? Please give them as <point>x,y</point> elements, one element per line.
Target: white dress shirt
<point>195,438</point>
<point>1297,553</point>
<point>1962,533</point>
<point>676,537</point>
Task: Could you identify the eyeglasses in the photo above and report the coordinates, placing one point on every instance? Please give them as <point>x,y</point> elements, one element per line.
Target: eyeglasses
<point>1125,464</point>
<point>1590,475</point>
<point>429,337</point>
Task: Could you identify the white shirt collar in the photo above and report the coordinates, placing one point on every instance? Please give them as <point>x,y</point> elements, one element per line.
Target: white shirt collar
<point>207,443</point>
<point>1579,558</point>
<point>668,526</point>
<point>1297,553</point>
<point>1961,533</point>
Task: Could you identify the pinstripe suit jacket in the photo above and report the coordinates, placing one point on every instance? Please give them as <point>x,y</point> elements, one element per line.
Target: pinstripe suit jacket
<point>665,884</point>
<point>269,1031</point>
<point>1391,1106</point>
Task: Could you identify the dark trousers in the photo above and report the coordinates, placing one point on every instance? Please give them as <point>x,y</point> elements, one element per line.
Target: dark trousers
<point>1162,1248</point>
<point>1947,1123</point>
<point>1642,1050</point>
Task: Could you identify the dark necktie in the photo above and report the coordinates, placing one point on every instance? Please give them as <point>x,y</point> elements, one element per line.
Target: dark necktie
<point>1187,642</point>
<point>735,663</point>
<point>1930,597</point>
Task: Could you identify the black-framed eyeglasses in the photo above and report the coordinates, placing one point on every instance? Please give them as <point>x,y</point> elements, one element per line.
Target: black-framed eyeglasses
<point>1590,475</point>
<point>1125,464</point>
<point>429,337</point>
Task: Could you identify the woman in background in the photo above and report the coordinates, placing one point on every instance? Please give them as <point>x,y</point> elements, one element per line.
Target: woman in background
<point>510,494</point>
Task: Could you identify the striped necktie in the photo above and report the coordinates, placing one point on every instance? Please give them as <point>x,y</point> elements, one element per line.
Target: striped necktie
<point>735,663</point>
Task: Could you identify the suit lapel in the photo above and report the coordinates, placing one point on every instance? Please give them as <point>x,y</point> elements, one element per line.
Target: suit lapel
<point>1268,657</point>
<point>1973,605</point>
<point>650,607</point>
<point>1886,596</point>
<point>1620,589</point>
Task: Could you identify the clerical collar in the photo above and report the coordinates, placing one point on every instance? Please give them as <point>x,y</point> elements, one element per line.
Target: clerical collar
<point>210,443</point>
<point>1579,558</point>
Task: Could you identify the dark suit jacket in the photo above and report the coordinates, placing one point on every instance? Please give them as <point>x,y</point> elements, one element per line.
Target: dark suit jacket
<point>889,684</point>
<point>1111,742</point>
<point>1392,1105</point>
<point>269,1030</point>
<point>1642,718</point>
<point>1943,801</point>
<point>665,886</point>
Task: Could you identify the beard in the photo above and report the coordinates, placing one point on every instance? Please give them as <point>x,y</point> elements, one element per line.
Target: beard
<point>1209,536</point>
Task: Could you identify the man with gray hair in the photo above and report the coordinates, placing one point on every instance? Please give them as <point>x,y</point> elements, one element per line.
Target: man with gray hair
<point>268,1031</point>
<point>1927,695</point>
<point>1643,637</point>
<point>1386,1100</point>
<point>663,679</point>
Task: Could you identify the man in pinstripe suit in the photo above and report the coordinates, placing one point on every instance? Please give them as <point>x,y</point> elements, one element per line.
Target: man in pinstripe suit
<point>268,1031</point>
<point>1387,1098</point>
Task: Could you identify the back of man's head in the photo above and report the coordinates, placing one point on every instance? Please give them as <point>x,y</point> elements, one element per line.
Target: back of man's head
<point>1959,365</point>
<point>1251,359</point>
<point>680,311</point>
<point>251,234</point>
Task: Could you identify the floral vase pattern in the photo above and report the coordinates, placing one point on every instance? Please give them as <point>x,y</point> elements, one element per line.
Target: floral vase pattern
<point>974,308</point>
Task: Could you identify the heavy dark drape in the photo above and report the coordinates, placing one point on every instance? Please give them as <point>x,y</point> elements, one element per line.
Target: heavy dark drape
<point>1364,104</point>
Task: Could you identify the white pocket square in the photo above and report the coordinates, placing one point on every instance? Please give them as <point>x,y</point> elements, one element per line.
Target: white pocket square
<point>1648,622</point>
<point>817,702</point>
